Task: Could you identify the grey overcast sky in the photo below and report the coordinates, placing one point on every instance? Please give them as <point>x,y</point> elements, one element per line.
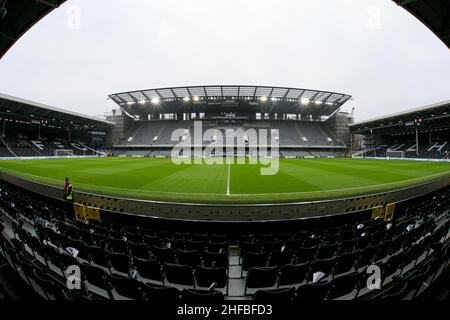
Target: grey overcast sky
<point>371,49</point>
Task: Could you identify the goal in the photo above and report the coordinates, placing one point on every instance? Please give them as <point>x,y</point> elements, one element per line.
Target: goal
<point>395,154</point>
<point>63,153</point>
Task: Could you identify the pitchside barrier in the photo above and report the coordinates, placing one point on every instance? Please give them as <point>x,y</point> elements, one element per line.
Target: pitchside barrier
<point>406,159</point>
<point>50,157</point>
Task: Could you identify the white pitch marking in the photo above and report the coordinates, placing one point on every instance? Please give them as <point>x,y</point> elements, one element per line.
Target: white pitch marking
<point>229,176</point>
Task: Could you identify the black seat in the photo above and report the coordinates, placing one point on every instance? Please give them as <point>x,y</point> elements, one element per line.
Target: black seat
<point>294,244</point>
<point>175,244</point>
<point>274,245</point>
<point>304,255</point>
<point>126,287</point>
<point>323,265</point>
<point>215,259</point>
<point>190,258</point>
<point>261,278</point>
<point>252,259</point>
<point>396,293</point>
<point>120,262</point>
<point>95,276</point>
<point>118,246</point>
<point>179,274</point>
<point>346,262</point>
<point>274,296</point>
<point>313,292</point>
<point>279,258</point>
<point>326,251</point>
<point>157,294</point>
<point>99,256</point>
<point>246,247</point>
<point>291,274</point>
<point>344,285</point>
<point>198,245</point>
<point>205,277</point>
<point>149,269</point>
<point>139,250</point>
<point>217,246</point>
<point>166,255</point>
<point>201,296</point>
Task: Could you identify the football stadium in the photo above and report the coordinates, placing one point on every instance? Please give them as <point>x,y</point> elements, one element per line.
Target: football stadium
<point>210,193</point>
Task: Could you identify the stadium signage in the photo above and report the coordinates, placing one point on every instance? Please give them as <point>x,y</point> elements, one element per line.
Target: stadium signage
<point>238,146</point>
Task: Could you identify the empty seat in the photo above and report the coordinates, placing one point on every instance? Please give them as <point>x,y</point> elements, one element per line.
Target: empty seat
<point>279,258</point>
<point>120,262</point>
<point>274,295</point>
<point>291,274</point>
<point>261,278</point>
<point>252,259</point>
<point>139,250</point>
<point>126,287</point>
<point>164,254</point>
<point>205,277</point>
<point>99,256</point>
<point>149,269</point>
<point>217,246</point>
<point>95,276</point>
<point>215,259</point>
<point>346,262</point>
<point>344,285</point>
<point>201,296</point>
<point>304,255</point>
<point>313,292</point>
<point>198,245</point>
<point>179,274</point>
<point>157,294</point>
<point>190,258</point>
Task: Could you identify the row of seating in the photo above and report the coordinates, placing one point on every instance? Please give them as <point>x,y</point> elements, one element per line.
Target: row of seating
<point>277,260</point>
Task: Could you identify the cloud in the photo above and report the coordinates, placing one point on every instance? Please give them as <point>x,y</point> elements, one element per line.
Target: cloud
<point>85,50</point>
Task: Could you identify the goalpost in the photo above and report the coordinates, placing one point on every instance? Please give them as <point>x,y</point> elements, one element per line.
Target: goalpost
<point>63,153</point>
<point>395,154</point>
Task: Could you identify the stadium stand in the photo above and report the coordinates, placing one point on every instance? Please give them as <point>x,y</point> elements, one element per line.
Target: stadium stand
<point>426,127</point>
<point>120,261</point>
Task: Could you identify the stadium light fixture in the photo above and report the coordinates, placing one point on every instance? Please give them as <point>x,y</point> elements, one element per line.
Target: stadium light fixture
<point>187,99</point>
<point>318,102</point>
<point>274,99</point>
<point>196,99</point>
<point>263,99</point>
<point>142,102</point>
<point>156,100</point>
<point>305,101</point>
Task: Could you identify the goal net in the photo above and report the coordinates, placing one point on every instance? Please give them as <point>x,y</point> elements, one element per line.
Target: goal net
<point>63,153</point>
<point>395,154</point>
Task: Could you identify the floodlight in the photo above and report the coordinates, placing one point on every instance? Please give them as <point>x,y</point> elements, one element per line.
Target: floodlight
<point>187,99</point>
<point>263,99</point>
<point>305,101</point>
<point>196,99</point>
<point>156,100</point>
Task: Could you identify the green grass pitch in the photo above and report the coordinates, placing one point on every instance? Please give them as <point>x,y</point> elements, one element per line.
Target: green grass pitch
<point>297,179</point>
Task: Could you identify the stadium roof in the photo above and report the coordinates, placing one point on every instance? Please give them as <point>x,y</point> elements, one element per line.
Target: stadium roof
<point>435,14</point>
<point>17,107</point>
<point>277,99</point>
<point>17,17</point>
<point>437,113</point>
